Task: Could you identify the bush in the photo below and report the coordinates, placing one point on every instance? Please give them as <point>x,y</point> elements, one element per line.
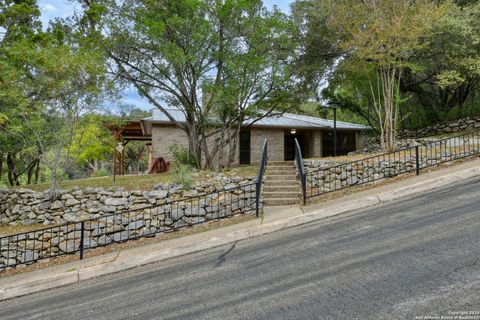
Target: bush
<point>103,172</point>
<point>184,176</point>
<point>183,156</point>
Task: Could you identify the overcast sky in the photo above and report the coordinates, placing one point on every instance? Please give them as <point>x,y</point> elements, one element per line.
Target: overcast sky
<point>64,8</point>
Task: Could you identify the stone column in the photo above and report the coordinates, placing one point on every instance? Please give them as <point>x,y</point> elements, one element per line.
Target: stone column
<point>149,155</point>
<point>316,143</point>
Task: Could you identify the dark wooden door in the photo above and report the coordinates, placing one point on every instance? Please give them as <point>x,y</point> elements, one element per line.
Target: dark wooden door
<point>245,147</point>
<point>290,145</point>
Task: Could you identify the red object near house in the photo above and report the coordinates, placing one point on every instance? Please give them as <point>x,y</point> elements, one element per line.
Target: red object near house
<point>159,165</point>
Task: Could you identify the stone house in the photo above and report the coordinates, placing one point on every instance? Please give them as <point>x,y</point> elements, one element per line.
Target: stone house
<point>315,136</point>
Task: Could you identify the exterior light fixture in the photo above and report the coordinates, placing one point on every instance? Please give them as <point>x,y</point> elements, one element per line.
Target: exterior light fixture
<point>120,147</point>
<point>293,131</point>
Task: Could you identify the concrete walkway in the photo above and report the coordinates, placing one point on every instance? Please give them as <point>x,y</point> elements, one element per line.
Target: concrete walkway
<point>274,219</point>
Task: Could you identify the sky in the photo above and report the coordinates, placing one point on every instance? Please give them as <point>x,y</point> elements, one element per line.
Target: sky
<point>63,8</point>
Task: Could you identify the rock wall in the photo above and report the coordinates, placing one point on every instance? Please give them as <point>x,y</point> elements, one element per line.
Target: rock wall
<point>113,215</point>
<point>465,124</point>
<point>123,226</point>
<point>323,178</point>
<point>26,207</point>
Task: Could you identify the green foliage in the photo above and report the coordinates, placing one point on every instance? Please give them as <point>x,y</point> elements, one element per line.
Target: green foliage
<point>101,173</point>
<point>173,51</point>
<point>182,156</point>
<point>92,141</point>
<point>448,80</point>
<point>184,176</point>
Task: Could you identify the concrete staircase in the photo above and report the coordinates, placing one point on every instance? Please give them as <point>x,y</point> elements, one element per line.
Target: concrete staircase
<point>281,186</point>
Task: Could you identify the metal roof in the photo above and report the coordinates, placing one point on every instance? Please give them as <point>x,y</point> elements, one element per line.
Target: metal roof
<point>285,120</point>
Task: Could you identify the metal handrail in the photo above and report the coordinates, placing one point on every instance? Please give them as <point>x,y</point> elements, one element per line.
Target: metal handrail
<point>301,171</point>
<point>261,173</point>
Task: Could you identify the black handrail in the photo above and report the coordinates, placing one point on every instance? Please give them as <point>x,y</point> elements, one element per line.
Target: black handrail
<point>301,171</point>
<point>261,172</point>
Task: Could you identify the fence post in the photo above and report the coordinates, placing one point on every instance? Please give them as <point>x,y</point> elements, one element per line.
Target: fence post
<point>417,160</point>
<point>258,186</point>
<point>304,189</point>
<point>82,236</point>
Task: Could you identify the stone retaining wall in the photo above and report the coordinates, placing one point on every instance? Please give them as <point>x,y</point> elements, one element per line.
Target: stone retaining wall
<point>465,124</point>
<point>26,207</point>
<point>147,215</point>
<point>322,178</point>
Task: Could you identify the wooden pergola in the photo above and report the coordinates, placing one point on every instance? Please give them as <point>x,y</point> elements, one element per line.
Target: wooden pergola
<point>123,134</point>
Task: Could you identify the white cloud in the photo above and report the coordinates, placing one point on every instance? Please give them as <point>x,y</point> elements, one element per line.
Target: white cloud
<point>47,7</point>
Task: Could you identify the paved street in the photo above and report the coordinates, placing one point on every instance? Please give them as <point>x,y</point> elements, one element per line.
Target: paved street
<point>400,260</point>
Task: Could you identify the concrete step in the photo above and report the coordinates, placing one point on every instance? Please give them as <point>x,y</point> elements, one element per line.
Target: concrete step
<point>280,163</point>
<point>281,169</point>
<point>285,183</point>
<point>280,202</point>
<point>281,188</point>
<point>281,177</point>
<point>269,167</point>
<point>279,172</point>
<point>279,195</point>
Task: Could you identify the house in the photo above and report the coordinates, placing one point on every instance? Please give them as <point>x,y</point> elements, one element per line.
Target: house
<point>315,136</point>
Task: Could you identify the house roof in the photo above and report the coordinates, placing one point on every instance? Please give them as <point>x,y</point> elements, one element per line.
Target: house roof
<point>285,120</point>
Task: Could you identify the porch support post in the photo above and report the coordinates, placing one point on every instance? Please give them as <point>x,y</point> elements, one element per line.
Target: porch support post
<point>149,155</point>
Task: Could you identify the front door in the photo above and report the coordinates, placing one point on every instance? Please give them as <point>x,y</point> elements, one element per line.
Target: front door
<point>245,147</point>
<point>290,145</point>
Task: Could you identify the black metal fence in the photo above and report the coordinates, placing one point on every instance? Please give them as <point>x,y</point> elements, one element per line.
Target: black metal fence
<point>413,159</point>
<point>77,237</point>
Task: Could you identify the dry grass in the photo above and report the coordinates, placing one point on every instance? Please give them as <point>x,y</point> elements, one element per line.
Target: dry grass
<point>13,229</point>
<point>138,182</point>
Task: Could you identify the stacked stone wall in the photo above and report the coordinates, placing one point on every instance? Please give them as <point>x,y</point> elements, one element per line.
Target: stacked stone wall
<point>109,217</point>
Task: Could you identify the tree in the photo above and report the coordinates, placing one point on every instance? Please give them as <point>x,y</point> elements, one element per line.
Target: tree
<point>447,72</point>
<point>19,28</point>
<point>92,142</point>
<point>316,52</point>
<point>381,35</point>
<point>178,52</point>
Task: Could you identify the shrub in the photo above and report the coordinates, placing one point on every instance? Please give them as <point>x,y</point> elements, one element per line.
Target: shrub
<point>103,172</point>
<point>183,156</point>
<point>184,176</point>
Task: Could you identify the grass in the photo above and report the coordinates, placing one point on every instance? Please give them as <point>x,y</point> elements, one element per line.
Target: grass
<point>139,182</point>
<point>13,229</point>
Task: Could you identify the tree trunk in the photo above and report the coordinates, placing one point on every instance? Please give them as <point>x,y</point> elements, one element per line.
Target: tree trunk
<point>233,146</point>
<point>11,170</point>
<point>30,172</point>
<point>37,171</point>
<point>54,179</point>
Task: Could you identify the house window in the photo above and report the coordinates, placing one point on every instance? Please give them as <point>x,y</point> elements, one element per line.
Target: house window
<point>346,142</point>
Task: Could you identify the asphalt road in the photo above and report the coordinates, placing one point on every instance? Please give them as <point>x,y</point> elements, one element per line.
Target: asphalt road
<point>413,258</point>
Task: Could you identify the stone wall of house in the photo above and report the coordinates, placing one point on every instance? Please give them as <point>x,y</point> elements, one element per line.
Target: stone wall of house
<point>276,144</point>
<point>26,207</point>
<point>163,137</point>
